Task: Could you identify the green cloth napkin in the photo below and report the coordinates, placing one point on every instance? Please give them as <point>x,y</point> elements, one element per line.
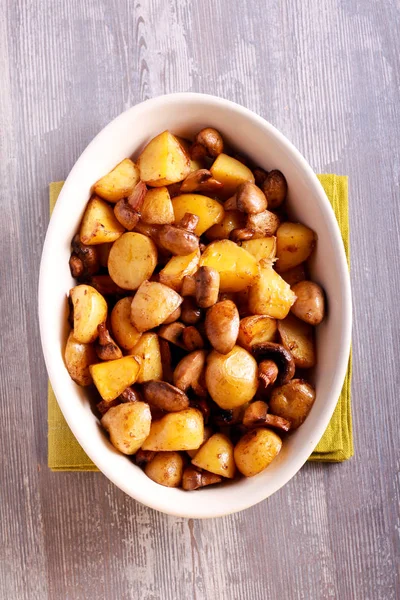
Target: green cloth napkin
<point>336,445</point>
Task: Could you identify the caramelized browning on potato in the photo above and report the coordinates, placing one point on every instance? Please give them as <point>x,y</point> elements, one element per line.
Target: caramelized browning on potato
<point>119,182</point>
<point>128,425</point>
<point>165,468</point>
<point>152,304</point>
<point>216,456</point>
<point>256,450</point>
<point>99,224</point>
<point>183,430</point>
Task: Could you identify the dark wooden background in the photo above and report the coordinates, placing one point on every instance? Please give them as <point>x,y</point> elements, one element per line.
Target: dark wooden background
<point>326,74</point>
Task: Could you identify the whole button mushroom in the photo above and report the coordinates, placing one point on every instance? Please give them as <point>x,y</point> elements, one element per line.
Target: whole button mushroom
<point>222,326</point>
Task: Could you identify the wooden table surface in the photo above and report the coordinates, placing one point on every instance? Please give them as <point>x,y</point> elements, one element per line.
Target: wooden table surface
<point>327,75</point>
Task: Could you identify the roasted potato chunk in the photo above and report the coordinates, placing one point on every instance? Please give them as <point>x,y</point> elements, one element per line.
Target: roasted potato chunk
<point>78,357</point>
<point>89,310</point>
<point>113,377</point>
<point>148,348</point>
<point>157,207</point>
<point>216,456</point>
<point>256,450</point>
<point>232,378</point>
<point>233,219</point>
<point>256,330</point>
<point>182,430</point>
<point>118,183</point>
<point>99,224</point>
<point>132,260</point>
<point>294,244</point>
<point>208,211</point>
<point>237,268</point>
<point>293,401</point>
<point>298,338</point>
<point>270,295</point>
<point>261,248</point>
<point>231,173</point>
<point>177,268</point>
<point>126,335</point>
<point>128,425</point>
<point>163,161</point>
<point>165,468</point>
<point>152,304</point>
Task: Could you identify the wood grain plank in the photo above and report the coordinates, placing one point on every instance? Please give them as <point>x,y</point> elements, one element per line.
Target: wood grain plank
<point>326,75</point>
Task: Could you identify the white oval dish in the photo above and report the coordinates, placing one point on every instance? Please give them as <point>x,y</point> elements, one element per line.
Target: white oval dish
<point>185,114</point>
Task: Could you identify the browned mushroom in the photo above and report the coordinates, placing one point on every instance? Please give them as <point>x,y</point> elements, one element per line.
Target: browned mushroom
<point>188,371</point>
<point>241,235</point>
<point>188,286</point>
<point>192,338</point>
<point>190,312</point>
<point>127,210</point>
<point>84,260</point>
<point>106,348</point>
<point>142,457</point>
<point>267,372</point>
<point>207,286</point>
<point>193,478</point>
<point>259,176</point>
<point>166,360</point>
<point>201,181</point>
<point>173,333</point>
<point>231,203</point>
<point>264,224</point>
<point>222,326</point>
<point>130,395</point>
<point>179,239</point>
<point>250,199</point>
<point>105,405</point>
<point>275,188</point>
<point>208,142</point>
<point>280,356</point>
<point>165,396</point>
<point>203,406</point>
<point>310,303</point>
<point>105,285</point>
<point>256,415</point>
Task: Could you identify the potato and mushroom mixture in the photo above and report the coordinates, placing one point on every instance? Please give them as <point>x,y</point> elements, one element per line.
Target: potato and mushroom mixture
<point>193,314</point>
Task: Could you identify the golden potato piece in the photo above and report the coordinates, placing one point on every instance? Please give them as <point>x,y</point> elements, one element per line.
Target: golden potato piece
<point>78,357</point>
<point>152,304</point>
<point>119,182</point>
<point>175,431</point>
<point>177,268</point>
<point>128,425</point>
<point>231,173</point>
<point>208,210</point>
<point>256,330</point>
<point>216,456</point>
<point>294,244</point>
<point>166,468</point>
<point>132,260</point>
<point>99,224</point>
<point>163,161</point>
<point>90,309</point>
<point>231,379</point>
<point>270,295</point>
<point>237,268</point>
<point>113,377</point>
<point>148,348</point>
<point>157,207</point>
<point>293,401</point>
<point>124,332</point>
<point>233,219</point>
<point>256,450</point>
<point>261,248</point>
<point>298,338</point>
